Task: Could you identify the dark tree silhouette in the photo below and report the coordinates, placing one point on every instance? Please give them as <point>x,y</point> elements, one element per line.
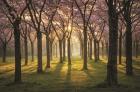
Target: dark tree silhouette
<point>14,17</point>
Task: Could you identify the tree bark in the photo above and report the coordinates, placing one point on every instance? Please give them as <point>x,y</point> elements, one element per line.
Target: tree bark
<point>81,50</point>
<point>4,52</point>
<point>124,47</point>
<point>102,49</point>
<point>32,51</point>
<point>17,51</point>
<point>85,48</point>
<point>90,51</point>
<point>22,49</point>
<point>56,50</point>
<point>95,51</point>
<point>136,49</point>
<point>69,52</point>
<point>98,50</point>
<point>128,44</point>
<point>128,39</point>
<point>107,49</point>
<point>60,51</point>
<point>133,48</point>
<point>26,50</point>
<point>48,52</point>
<point>64,49</point>
<point>112,78</point>
<point>39,50</point>
<point>51,50</point>
<point>120,48</point>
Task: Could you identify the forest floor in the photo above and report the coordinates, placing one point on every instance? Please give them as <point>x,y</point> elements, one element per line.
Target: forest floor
<point>64,78</point>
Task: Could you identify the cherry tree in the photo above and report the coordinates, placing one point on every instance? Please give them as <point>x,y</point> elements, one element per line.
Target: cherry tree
<point>85,8</point>
<point>14,10</point>
<point>5,38</point>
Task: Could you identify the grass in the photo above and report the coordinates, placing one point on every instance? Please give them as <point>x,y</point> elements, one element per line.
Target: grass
<point>64,78</point>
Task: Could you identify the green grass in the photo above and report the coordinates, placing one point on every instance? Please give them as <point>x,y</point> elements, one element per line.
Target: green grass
<point>64,78</point>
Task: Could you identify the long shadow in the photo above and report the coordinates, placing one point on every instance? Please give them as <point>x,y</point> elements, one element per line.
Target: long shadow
<point>25,69</point>
<point>95,74</point>
<point>7,65</point>
<point>88,74</point>
<point>28,70</point>
<point>98,68</point>
<point>136,67</point>
<point>6,69</point>
<point>56,73</point>
<point>58,68</point>
<point>122,67</point>
<point>4,64</point>
<point>136,64</point>
<point>55,77</point>
<point>10,67</point>
<point>68,76</point>
<point>69,86</point>
<point>97,65</point>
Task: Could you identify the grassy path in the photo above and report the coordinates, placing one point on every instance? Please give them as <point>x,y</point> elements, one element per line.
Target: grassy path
<point>64,78</point>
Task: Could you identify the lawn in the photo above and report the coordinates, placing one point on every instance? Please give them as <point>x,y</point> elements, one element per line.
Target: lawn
<point>64,78</point>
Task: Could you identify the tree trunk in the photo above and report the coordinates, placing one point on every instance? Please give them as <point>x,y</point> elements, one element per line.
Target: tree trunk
<point>107,50</point>
<point>90,51</point>
<point>133,48</point>
<point>120,48</point>
<point>124,47</point>
<point>95,51</point>
<point>4,52</point>
<point>136,49</point>
<point>98,50</point>
<point>39,49</point>
<point>26,50</point>
<point>85,48</point>
<point>129,68</point>
<point>56,50</point>
<point>69,52</point>
<point>128,39</point>
<point>112,78</point>
<point>22,49</point>
<point>102,49</point>
<point>51,50</point>
<point>81,50</point>
<point>60,51</point>
<point>64,49</point>
<point>32,51</point>
<point>17,51</point>
<point>48,52</point>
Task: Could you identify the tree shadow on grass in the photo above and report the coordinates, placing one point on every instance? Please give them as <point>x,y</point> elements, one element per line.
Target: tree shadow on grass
<point>68,76</point>
<point>58,69</point>
<point>69,87</point>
